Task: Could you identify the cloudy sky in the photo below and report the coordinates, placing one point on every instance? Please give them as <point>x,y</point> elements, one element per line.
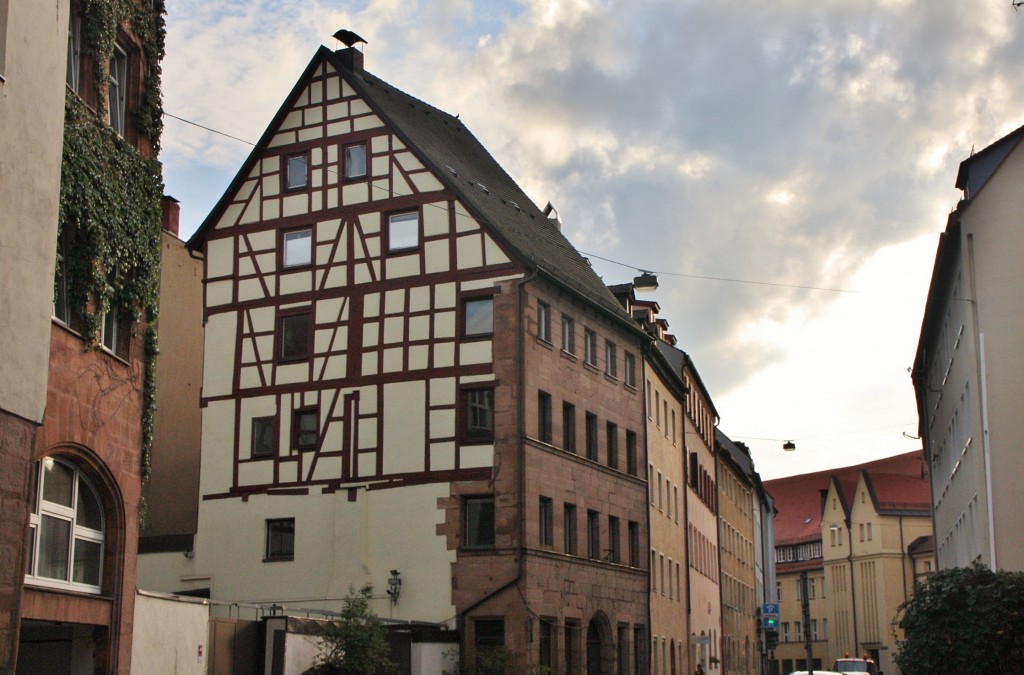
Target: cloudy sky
<point>786,166</point>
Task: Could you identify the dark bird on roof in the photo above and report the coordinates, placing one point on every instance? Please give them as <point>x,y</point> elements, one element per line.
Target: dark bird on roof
<point>348,37</point>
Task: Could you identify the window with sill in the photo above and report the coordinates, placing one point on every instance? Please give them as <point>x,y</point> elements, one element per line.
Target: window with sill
<point>280,540</point>
<point>569,528</point>
<point>593,535</point>
<point>629,368</point>
<point>590,424</point>
<point>293,335</point>
<point>115,333</point>
<point>118,90</point>
<point>353,165</point>
<point>66,529</point>
<point>298,248</point>
<point>544,321</point>
<point>614,552</point>
<point>546,522</point>
<point>611,366</point>
<point>262,437</point>
<point>403,231</point>
<point>589,347</point>
<point>479,416</point>
<point>634,544</point>
<point>305,429</point>
<point>568,334</point>
<point>612,431</point>
<point>479,522</point>
<point>568,427</point>
<point>296,172</point>
<point>631,458</point>
<point>544,417</point>
<point>478,316</point>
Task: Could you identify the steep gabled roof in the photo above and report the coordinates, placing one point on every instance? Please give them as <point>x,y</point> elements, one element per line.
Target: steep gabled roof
<point>678,359</point>
<point>978,168</point>
<point>899,486</point>
<point>444,144</point>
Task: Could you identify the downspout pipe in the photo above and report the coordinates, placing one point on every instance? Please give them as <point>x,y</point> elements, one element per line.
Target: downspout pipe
<point>520,453</point>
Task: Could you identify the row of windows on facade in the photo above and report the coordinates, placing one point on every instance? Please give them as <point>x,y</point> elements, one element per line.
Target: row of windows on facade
<point>664,657</point>
<point>813,583</point>
<point>489,635</point>
<point>296,167</point>
<point>663,494</point>
<point>739,494</point>
<point>117,92</point>
<point>797,552</point>
<point>660,410</point>
<point>295,332</point>
<point>591,428</point>
<point>477,425</point>
<point>703,483</point>
<point>734,544</point>
<point>703,553</point>
<point>698,412</point>
<point>480,533</point>
<point>402,235</point>
<point>797,634</point>
<point>590,345</point>
<point>673,589</point>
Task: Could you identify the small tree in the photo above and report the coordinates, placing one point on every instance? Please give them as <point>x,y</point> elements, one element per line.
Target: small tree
<point>356,643</point>
<point>964,620</point>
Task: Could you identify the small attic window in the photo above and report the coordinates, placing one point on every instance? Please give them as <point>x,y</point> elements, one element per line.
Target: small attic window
<point>296,172</point>
<point>354,162</point>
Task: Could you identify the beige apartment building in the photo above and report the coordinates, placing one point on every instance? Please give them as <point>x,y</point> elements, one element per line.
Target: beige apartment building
<point>860,532</point>
<point>968,368</point>
<point>666,478</point>
<point>737,505</point>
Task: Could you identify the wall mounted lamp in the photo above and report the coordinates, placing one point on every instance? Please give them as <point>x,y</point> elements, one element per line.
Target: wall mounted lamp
<point>394,586</point>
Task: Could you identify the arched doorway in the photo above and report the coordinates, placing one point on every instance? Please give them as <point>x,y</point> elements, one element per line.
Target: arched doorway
<point>600,648</point>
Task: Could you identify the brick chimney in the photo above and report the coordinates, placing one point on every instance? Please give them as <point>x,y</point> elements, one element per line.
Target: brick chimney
<point>352,58</point>
<point>169,212</point>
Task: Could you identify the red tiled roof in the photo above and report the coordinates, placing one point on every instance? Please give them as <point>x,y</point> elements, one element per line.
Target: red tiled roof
<point>898,483</point>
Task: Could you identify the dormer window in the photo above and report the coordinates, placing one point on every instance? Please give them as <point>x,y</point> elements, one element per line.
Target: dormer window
<point>354,162</point>
<point>296,172</point>
<point>116,102</point>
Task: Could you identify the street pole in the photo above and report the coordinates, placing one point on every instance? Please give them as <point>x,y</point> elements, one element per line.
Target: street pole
<point>805,605</point>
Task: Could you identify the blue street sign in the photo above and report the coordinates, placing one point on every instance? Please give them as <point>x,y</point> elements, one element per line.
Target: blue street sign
<point>770,616</point>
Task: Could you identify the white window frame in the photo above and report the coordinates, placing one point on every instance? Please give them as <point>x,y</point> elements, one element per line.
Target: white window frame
<point>295,253</point>
<point>352,170</point>
<point>42,508</point>
<point>403,232</point>
<point>74,56</point>
<point>118,90</point>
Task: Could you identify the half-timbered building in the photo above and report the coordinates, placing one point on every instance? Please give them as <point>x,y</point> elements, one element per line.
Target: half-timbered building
<point>411,375</point>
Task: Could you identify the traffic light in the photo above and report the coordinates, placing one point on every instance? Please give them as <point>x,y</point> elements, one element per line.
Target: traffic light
<point>771,638</point>
<point>771,623</point>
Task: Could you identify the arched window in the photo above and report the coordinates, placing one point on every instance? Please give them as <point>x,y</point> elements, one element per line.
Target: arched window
<point>66,529</point>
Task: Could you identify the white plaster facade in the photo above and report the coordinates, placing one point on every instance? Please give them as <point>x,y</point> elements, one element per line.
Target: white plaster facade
<point>968,371</point>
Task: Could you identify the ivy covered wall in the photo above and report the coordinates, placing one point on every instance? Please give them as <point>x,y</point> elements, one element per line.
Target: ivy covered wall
<point>110,224</point>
